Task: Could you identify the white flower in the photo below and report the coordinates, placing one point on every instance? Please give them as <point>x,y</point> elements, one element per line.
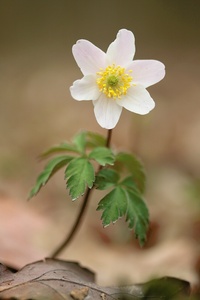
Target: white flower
<point>113,80</point>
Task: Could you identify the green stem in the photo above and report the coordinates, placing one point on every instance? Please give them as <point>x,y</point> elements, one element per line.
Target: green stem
<point>81,214</point>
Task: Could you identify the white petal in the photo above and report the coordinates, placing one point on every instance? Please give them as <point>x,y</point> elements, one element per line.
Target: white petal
<point>89,58</point>
<point>85,88</point>
<point>137,100</point>
<point>147,72</point>
<point>107,112</point>
<point>122,50</point>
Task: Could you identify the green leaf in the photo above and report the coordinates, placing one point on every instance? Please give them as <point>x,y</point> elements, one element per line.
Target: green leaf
<point>80,141</point>
<point>102,155</point>
<point>51,168</point>
<point>113,206</point>
<point>63,147</point>
<point>126,200</point>
<point>129,183</point>
<point>80,175</point>
<point>166,288</point>
<point>79,144</point>
<point>95,140</point>
<point>106,178</point>
<point>134,166</point>
<point>137,214</point>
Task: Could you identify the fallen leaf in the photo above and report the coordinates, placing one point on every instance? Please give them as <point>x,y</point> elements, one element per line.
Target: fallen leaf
<point>55,279</point>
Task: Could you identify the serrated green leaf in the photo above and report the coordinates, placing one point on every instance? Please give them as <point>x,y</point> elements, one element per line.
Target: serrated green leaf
<point>53,166</point>
<point>106,178</point>
<point>113,206</point>
<point>95,140</point>
<point>63,147</point>
<point>129,183</point>
<point>79,144</point>
<point>80,174</point>
<point>126,200</point>
<point>80,141</point>
<point>134,166</point>
<point>137,215</point>
<point>102,155</point>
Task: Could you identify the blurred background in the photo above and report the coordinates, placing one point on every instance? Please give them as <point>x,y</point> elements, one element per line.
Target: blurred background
<point>37,111</point>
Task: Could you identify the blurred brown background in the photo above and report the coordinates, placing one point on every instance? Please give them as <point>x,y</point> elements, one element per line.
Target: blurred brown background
<point>37,111</point>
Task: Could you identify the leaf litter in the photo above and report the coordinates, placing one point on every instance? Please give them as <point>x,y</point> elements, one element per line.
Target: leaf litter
<point>55,279</point>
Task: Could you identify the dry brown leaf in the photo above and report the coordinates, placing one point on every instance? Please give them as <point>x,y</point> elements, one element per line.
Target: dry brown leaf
<point>54,279</point>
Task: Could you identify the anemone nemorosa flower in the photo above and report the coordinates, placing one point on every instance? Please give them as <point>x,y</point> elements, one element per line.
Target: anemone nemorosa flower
<point>113,80</point>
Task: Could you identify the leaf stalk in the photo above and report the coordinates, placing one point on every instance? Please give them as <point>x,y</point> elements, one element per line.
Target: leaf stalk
<point>81,214</point>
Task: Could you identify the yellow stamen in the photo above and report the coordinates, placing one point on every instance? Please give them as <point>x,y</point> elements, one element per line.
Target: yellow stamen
<point>113,81</point>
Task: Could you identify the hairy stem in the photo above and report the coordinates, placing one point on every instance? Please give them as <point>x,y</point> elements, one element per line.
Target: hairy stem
<point>81,214</point>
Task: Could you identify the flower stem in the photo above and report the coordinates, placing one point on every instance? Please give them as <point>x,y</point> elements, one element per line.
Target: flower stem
<point>75,227</point>
<point>108,138</point>
<point>81,214</point>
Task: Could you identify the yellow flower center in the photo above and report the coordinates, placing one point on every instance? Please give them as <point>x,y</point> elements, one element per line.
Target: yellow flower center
<point>113,81</point>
